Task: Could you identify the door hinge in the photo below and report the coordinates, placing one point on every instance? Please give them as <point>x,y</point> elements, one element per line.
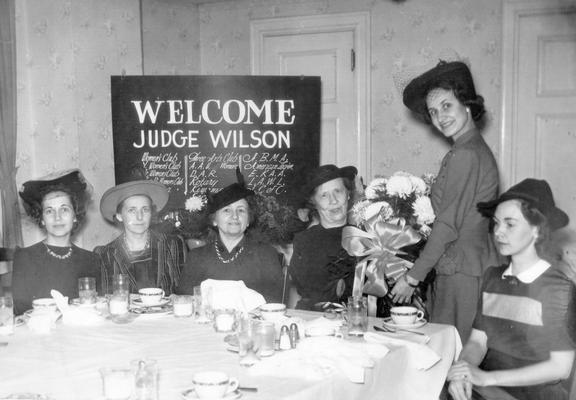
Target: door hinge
<point>352,60</point>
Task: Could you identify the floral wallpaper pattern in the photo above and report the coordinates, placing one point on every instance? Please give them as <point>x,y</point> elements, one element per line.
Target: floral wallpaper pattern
<point>68,49</point>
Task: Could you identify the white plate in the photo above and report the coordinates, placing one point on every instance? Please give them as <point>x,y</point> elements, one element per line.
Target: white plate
<point>138,303</point>
<point>190,394</point>
<point>391,324</point>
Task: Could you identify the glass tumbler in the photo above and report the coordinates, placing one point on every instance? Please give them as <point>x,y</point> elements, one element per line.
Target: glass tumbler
<point>87,290</point>
<point>6,315</point>
<point>357,315</point>
<point>183,306</point>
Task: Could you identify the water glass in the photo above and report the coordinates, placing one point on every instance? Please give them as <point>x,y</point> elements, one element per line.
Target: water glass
<point>357,315</point>
<point>224,320</point>
<point>87,290</point>
<point>119,303</point>
<point>117,382</point>
<point>6,315</point>
<point>120,284</point>
<point>145,380</point>
<point>265,336</point>
<point>247,346</point>
<point>183,306</point>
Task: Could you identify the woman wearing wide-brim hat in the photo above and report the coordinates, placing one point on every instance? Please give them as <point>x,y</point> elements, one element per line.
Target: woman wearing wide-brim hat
<point>459,247</point>
<point>57,204</point>
<point>321,269</point>
<point>232,253</point>
<point>520,341</point>
<point>148,258</point>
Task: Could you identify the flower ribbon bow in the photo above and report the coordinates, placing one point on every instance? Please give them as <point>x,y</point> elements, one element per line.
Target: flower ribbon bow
<point>378,244</point>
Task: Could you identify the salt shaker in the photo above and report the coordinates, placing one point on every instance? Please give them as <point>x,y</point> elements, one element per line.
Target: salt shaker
<point>285,342</point>
<point>294,334</point>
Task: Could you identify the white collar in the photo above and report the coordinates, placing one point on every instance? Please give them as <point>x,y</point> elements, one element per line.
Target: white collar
<point>531,274</point>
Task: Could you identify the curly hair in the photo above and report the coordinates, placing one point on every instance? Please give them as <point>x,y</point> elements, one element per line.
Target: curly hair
<point>78,199</point>
<point>474,103</point>
<point>537,219</point>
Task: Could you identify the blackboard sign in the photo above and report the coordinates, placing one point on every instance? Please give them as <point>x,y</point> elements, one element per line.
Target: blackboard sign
<point>191,132</point>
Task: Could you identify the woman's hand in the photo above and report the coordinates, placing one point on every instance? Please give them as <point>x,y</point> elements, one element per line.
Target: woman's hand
<point>460,389</point>
<point>402,292</point>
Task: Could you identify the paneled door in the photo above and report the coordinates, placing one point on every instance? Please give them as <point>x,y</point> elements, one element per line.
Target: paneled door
<point>327,46</point>
<point>539,129</point>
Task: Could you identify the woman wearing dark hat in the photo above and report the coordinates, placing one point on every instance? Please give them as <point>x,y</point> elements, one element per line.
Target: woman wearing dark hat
<point>148,258</point>
<point>57,204</point>
<point>459,246</point>
<point>321,270</point>
<point>520,341</point>
<point>233,254</point>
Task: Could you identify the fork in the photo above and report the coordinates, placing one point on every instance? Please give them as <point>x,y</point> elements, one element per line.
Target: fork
<point>396,330</point>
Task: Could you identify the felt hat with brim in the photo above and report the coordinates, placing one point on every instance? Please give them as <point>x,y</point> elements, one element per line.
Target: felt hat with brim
<point>455,72</point>
<point>72,180</point>
<point>156,191</point>
<point>537,193</point>
<point>227,196</point>
<point>326,173</point>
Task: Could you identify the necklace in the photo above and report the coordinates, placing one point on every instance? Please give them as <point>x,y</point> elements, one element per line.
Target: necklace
<point>56,255</point>
<point>228,260</point>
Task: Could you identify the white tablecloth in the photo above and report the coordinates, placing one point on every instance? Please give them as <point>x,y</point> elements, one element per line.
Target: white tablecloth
<point>65,363</point>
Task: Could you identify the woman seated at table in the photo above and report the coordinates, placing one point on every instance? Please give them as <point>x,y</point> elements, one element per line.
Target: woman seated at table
<point>233,254</point>
<point>321,270</point>
<point>58,205</point>
<point>520,341</point>
<point>148,258</point>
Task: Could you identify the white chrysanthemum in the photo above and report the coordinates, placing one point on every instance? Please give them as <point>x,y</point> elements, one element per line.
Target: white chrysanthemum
<point>423,210</point>
<point>374,188</point>
<point>418,185</point>
<point>194,203</point>
<point>425,230</point>
<point>399,185</point>
<point>356,213</point>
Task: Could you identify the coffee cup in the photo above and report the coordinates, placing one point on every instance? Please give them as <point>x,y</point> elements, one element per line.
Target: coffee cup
<point>151,296</point>
<point>406,315</point>
<point>213,384</point>
<point>272,311</point>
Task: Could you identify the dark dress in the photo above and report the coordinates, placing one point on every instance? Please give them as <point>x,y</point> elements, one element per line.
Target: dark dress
<point>36,272</point>
<point>524,322</point>
<point>159,266</point>
<point>257,265</point>
<point>318,264</point>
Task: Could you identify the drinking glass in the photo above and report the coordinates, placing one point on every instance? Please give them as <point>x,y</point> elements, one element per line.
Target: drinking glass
<point>224,320</point>
<point>6,315</point>
<point>357,315</point>
<point>183,306</point>
<point>120,284</point>
<point>87,290</point>
<point>117,382</point>
<point>265,336</point>
<point>247,346</point>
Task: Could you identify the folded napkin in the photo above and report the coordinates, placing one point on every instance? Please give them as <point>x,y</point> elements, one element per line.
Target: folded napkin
<point>317,357</point>
<point>421,356</point>
<point>220,294</point>
<point>78,316</point>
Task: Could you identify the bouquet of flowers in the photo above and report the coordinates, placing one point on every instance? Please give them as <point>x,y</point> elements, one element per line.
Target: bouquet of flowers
<point>394,215</point>
<point>276,222</point>
<point>190,222</point>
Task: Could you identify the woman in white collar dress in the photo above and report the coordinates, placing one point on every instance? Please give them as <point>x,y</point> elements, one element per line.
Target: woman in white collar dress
<point>57,204</point>
<point>520,341</point>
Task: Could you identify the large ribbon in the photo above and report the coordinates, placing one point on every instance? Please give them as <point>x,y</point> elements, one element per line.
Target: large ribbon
<point>378,244</point>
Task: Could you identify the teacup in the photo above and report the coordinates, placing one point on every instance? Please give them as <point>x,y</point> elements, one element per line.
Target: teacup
<point>406,315</point>
<point>151,296</point>
<point>213,384</point>
<point>272,311</point>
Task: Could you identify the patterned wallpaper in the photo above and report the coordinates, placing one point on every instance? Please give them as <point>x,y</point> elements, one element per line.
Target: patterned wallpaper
<point>67,50</point>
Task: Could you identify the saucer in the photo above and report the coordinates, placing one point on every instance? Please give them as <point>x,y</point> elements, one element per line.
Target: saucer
<point>138,303</point>
<point>388,322</point>
<point>190,394</point>
<point>152,310</point>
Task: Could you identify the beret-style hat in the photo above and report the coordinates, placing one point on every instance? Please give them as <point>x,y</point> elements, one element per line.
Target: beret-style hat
<point>326,173</point>
<point>229,194</point>
<point>157,192</point>
<point>538,194</point>
<point>33,191</point>
<point>456,72</point>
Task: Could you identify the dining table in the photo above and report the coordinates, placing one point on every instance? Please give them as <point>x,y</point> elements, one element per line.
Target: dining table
<point>65,363</point>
